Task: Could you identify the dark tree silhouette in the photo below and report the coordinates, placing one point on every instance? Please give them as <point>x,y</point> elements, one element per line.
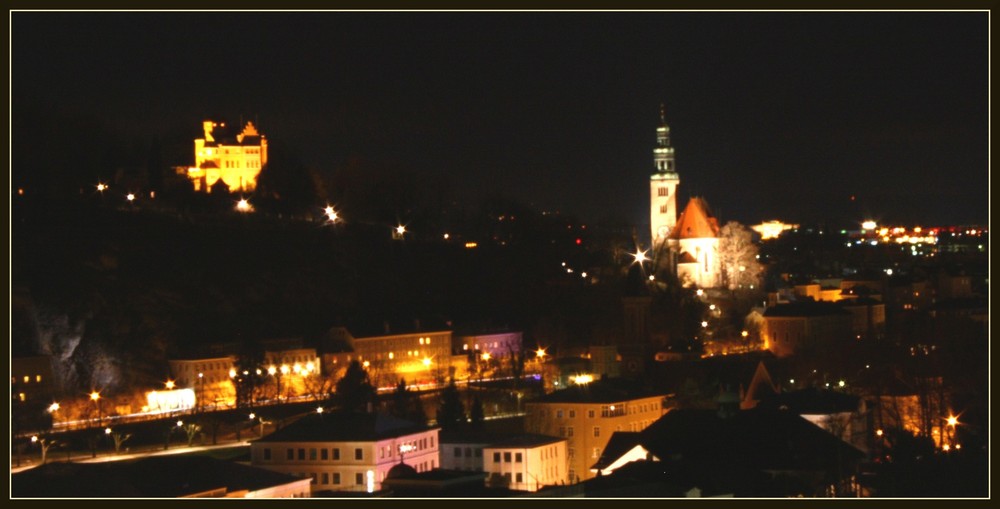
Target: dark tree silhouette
<point>406,404</point>
<point>451,413</point>
<point>354,390</point>
<point>476,413</point>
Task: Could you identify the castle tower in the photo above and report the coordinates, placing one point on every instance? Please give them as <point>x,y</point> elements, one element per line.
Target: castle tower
<point>663,185</point>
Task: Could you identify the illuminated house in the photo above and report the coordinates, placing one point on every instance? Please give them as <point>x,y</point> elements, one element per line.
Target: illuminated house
<point>587,415</point>
<point>417,357</point>
<point>772,229</point>
<point>207,377</point>
<point>347,451</point>
<point>519,461</point>
<point>526,462</point>
<point>31,378</point>
<point>695,241</point>
<point>663,185</point>
<point>236,160</point>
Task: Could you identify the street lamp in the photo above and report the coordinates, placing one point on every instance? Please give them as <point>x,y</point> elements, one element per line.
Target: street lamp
<point>96,398</point>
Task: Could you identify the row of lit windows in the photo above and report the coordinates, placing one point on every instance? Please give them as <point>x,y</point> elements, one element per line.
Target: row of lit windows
<point>567,431</point>
<point>204,367</point>
<point>27,379</point>
<point>324,454</point>
<point>413,445</point>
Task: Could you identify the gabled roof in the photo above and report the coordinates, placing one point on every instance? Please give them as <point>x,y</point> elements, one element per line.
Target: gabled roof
<point>760,439</point>
<point>523,440</point>
<point>695,222</point>
<point>621,442</point>
<point>600,391</point>
<point>344,427</point>
<point>811,401</point>
<point>149,477</point>
<point>805,308</point>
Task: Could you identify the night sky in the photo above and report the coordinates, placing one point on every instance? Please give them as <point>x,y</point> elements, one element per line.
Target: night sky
<point>774,115</point>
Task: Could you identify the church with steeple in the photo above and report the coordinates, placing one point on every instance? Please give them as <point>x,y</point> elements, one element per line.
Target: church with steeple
<point>689,243</point>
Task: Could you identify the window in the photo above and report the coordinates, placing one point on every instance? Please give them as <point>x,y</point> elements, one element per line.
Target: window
<point>507,477</point>
<point>518,458</point>
<point>597,431</point>
<point>312,454</point>
<point>520,477</point>
<point>326,478</point>
<point>359,454</point>
<point>571,452</point>
<point>324,454</point>
<point>496,457</point>
<point>479,453</point>
<point>562,431</point>
<point>468,452</point>
<point>596,453</point>
<point>662,191</point>
<point>267,454</point>
<point>506,457</point>
<point>572,414</point>
<point>359,478</point>
<point>336,454</point>
<point>663,209</point>
<point>290,454</point>
<point>336,478</point>
<point>569,431</point>
<point>302,454</point>
<point>458,452</point>
<point>590,414</point>
<point>559,413</point>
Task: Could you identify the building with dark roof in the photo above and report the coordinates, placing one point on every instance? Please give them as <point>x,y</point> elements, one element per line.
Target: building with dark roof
<point>347,451</point>
<point>587,415</point>
<point>792,326</point>
<point>757,452</point>
<point>173,476</point>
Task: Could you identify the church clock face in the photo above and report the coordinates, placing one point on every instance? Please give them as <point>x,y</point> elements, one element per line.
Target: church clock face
<point>663,231</point>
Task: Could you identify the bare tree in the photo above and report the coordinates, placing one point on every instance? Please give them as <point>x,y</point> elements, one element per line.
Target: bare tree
<point>738,257</point>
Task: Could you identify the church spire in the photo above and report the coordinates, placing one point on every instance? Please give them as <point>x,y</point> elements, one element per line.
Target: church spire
<point>663,184</point>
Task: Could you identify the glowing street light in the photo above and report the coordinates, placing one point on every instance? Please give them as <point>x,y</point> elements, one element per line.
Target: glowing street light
<point>486,356</point>
<point>101,187</point>
<point>427,362</point>
<point>640,256</point>
<point>243,205</point>
<point>331,215</point>
<point>130,197</point>
<point>53,407</point>
<point>540,353</point>
<point>170,384</point>
<point>952,421</point>
<point>400,230</point>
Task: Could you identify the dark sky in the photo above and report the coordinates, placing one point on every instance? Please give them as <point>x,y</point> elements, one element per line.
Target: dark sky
<point>774,115</point>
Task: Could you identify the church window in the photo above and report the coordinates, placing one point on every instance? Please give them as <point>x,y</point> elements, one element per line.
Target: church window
<point>663,209</point>
<point>661,191</point>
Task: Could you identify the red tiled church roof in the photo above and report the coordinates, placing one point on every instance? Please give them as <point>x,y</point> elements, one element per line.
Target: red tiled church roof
<point>695,222</point>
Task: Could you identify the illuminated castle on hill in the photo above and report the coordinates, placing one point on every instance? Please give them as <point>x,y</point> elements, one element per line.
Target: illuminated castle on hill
<point>235,160</point>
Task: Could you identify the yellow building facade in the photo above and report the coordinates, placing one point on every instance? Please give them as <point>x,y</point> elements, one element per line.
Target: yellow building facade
<point>236,160</point>
<point>587,417</point>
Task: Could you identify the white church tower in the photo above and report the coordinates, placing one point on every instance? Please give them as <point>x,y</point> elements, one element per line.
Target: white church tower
<point>663,186</point>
